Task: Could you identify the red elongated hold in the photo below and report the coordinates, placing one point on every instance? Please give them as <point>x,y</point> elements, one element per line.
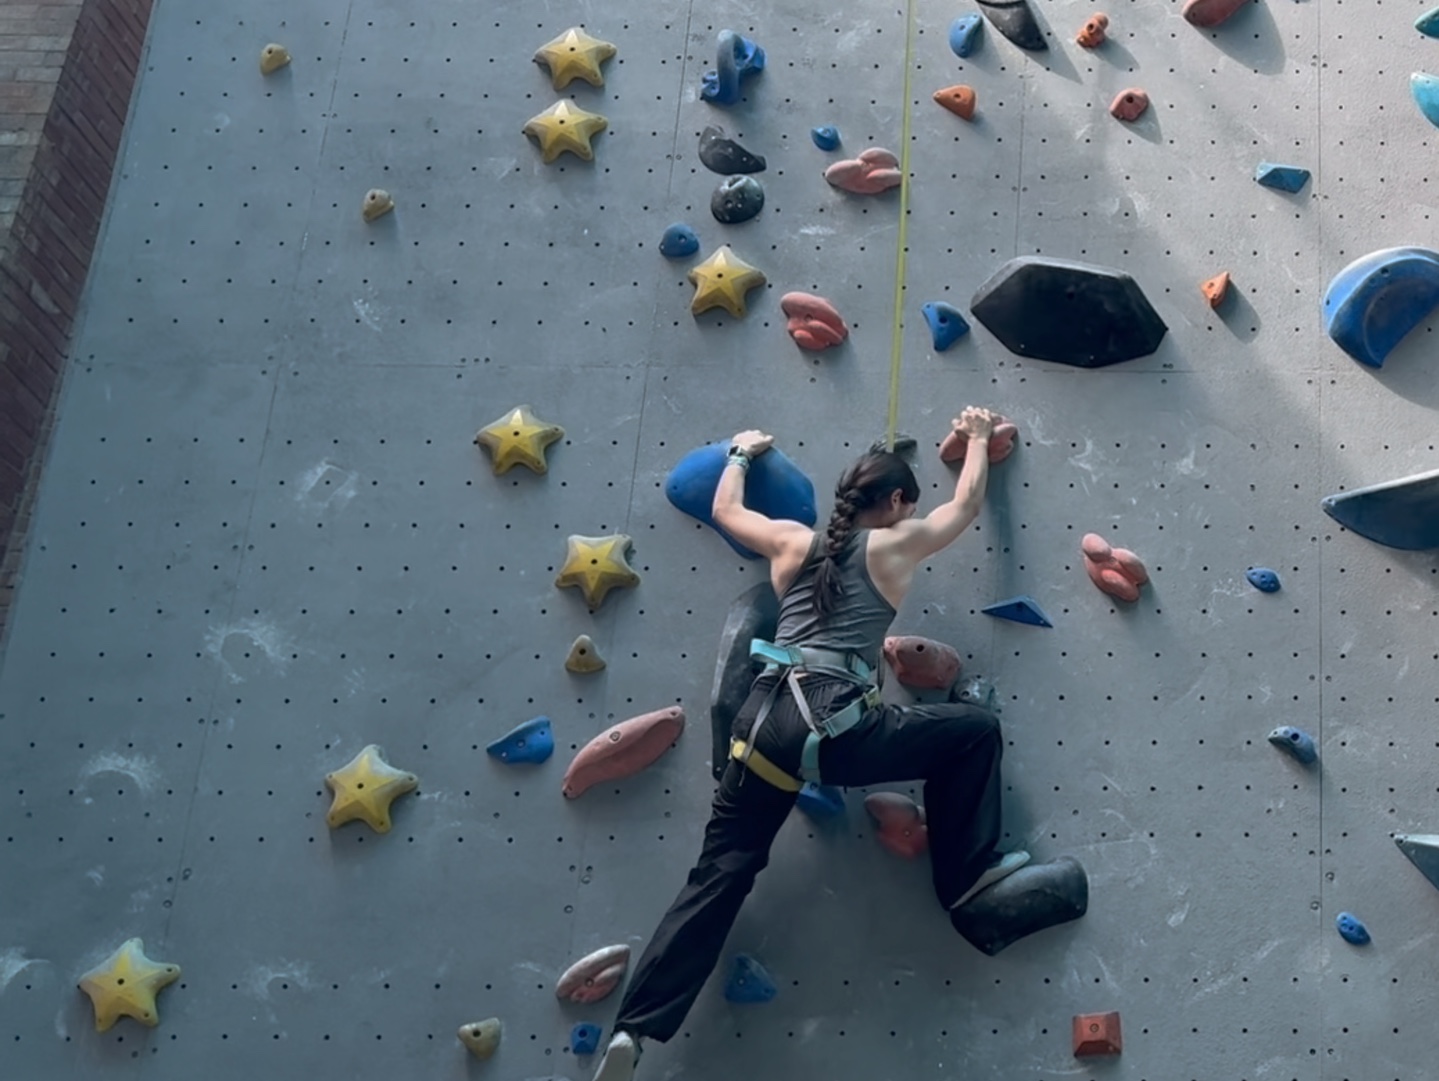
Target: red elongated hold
<point>594,976</point>
<point>1210,12</point>
<point>1216,289</point>
<point>1097,1034</point>
<point>922,662</point>
<point>1091,34</point>
<point>1129,104</point>
<point>624,749</point>
<point>901,824</point>
<point>1116,571</point>
<point>874,171</point>
<point>813,321</point>
<point>1001,443</point>
<point>959,100</point>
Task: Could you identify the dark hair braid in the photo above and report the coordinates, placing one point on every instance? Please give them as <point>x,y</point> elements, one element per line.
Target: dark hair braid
<point>827,586</point>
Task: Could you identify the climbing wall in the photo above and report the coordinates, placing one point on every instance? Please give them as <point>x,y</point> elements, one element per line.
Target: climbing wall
<point>265,540</point>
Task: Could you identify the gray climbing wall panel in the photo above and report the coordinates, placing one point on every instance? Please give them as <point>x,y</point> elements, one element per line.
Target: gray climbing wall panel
<point>264,540</point>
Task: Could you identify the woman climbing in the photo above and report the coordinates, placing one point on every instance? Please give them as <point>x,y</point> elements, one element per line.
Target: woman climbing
<point>814,712</point>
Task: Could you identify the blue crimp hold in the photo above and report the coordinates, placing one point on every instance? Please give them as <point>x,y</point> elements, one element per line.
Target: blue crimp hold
<point>737,57</point>
<point>585,1038</point>
<point>1352,929</point>
<point>1288,178</point>
<point>820,801</point>
<point>1297,742</point>
<point>964,34</point>
<point>748,982</point>
<point>531,742</point>
<point>1263,579</point>
<point>946,324</point>
<point>826,137</point>
<point>679,240</point>
<point>1428,23</point>
<point>1021,609</point>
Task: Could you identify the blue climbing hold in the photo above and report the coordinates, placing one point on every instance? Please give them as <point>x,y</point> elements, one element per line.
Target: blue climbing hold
<point>533,742</point>
<point>679,240</point>
<point>820,801</point>
<point>1263,579</point>
<point>1352,929</point>
<point>1288,178</point>
<point>1423,851</point>
<point>775,487</point>
<point>1425,88</point>
<point>946,324</point>
<point>826,137</point>
<point>1379,298</point>
<point>585,1038</point>
<point>1428,23</point>
<point>964,34</point>
<point>1021,609</point>
<point>737,57</point>
<point>748,982</point>
<point>1296,741</point>
<point>1401,513</point>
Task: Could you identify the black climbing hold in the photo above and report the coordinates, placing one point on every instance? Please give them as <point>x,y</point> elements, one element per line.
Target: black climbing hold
<point>1296,741</point>
<point>737,199</point>
<point>748,981</point>
<point>820,801</point>
<point>723,155</point>
<point>1400,513</point>
<point>826,137</point>
<point>1423,852</point>
<point>1031,899</point>
<point>1067,312</point>
<point>1351,929</point>
<point>946,324</point>
<point>1021,609</point>
<point>1263,579</point>
<point>753,614</point>
<point>1014,20</point>
<point>679,240</point>
<point>585,1038</point>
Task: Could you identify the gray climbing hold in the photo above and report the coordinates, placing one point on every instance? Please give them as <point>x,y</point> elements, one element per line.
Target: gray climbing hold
<point>1296,742</point>
<point>964,34</point>
<point>1016,21</point>
<point>1263,579</point>
<point>737,199</point>
<point>723,155</point>
<point>1288,178</point>
<point>1351,929</point>
<point>826,137</point>
<point>1401,513</point>
<point>1031,899</point>
<point>748,982</point>
<point>1423,852</point>
<point>753,614</point>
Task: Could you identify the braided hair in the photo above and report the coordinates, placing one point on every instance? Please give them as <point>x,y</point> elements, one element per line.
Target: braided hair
<point>865,484</point>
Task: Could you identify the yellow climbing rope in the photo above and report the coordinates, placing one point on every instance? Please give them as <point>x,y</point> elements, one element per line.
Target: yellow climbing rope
<point>897,337</point>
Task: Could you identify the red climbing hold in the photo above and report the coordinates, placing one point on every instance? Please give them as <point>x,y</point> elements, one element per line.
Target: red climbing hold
<point>901,823</point>
<point>624,749</point>
<point>1210,12</point>
<point>1091,34</point>
<point>874,171</point>
<point>959,100</point>
<point>1001,443</point>
<point>1116,571</point>
<point>813,321</point>
<point>1097,1034</point>
<point>922,662</point>
<point>1129,104</point>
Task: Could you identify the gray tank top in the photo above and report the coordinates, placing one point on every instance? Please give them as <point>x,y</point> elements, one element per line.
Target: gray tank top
<point>860,616</point>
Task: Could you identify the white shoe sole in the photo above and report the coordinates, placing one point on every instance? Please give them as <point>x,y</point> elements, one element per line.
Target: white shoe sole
<point>621,1058</point>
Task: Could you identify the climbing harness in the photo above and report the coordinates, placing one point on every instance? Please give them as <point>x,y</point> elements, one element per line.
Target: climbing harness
<point>788,663</point>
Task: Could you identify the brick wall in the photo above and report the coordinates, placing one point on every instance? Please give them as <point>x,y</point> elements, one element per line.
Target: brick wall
<point>67,68</point>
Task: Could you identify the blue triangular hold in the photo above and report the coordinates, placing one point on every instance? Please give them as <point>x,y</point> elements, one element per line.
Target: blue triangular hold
<point>1428,23</point>
<point>820,800</point>
<point>1021,609</point>
<point>964,34</point>
<point>826,137</point>
<point>748,981</point>
<point>1288,178</point>
<point>532,741</point>
<point>1423,851</point>
<point>946,324</point>
<point>679,240</point>
<point>585,1038</point>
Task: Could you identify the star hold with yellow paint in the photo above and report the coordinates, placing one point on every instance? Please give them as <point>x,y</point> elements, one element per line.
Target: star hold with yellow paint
<point>596,565</point>
<point>365,788</point>
<point>722,281</point>
<point>126,986</point>
<point>565,126</point>
<point>575,55</point>
<point>519,438</point>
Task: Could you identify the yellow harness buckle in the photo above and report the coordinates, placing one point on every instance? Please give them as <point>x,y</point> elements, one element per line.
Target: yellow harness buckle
<point>762,767</point>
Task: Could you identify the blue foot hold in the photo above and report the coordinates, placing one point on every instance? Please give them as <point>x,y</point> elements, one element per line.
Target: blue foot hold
<point>1425,88</point>
<point>1423,851</point>
<point>946,324</point>
<point>964,34</point>
<point>1352,929</point>
<point>1401,513</point>
<point>820,801</point>
<point>585,1038</point>
<point>532,742</point>
<point>1376,300</point>
<point>1428,23</point>
<point>775,487</point>
<point>679,240</point>
<point>748,982</point>
<point>1263,579</point>
<point>1021,609</point>
<point>826,137</point>
<point>1288,178</point>
<point>1297,742</point>
<point>737,57</point>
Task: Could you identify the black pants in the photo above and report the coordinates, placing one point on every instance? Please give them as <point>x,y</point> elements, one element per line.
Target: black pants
<point>955,749</point>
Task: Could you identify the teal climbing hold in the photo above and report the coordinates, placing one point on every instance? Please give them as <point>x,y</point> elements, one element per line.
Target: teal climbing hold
<point>820,801</point>
<point>1425,88</point>
<point>1423,852</point>
<point>1351,929</point>
<point>1288,178</point>
<point>1428,23</point>
<point>1379,298</point>
<point>964,34</point>
<point>1296,741</point>
<point>531,742</point>
<point>946,324</point>
<point>1020,609</point>
<point>748,982</point>
<point>826,137</point>
<point>1401,513</point>
<point>585,1038</point>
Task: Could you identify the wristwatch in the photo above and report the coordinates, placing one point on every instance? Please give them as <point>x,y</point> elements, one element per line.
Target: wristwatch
<point>737,451</point>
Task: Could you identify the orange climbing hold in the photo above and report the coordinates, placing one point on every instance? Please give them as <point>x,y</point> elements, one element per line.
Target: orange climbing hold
<point>1091,34</point>
<point>874,171</point>
<point>1116,571</point>
<point>1097,1034</point>
<point>1216,289</point>
<point>1001,443</point>
<point>813,321</point>
<point>922,662</point>
<point>901,823</point>
<point>624,749</point>
<point>959,100</point>
<point>1129,104</point>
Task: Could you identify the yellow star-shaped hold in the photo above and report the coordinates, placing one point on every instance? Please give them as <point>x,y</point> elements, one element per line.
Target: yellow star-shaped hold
<point>126,986</point>
<point>596,565</point>
<point>722,281</point>
<point>575,55</point>
<point>565,126</point>
<point>365,788</point>
<point>519,438</point>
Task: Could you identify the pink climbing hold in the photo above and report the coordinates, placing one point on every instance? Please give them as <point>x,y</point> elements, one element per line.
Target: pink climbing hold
<point>1001,443</point>
<point>1129,104</point>
<point>901,824</point>
<point>1116,571</point>
<point>922,662</point>
<point>594,976</point>
<point>874,171</point>
<point>624,749</point>
<point>1210,12</point>
<point>813,321</point>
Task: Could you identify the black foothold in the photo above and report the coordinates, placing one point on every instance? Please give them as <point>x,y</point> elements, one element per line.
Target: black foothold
<point>721,154</point>
<point>737,199</point>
